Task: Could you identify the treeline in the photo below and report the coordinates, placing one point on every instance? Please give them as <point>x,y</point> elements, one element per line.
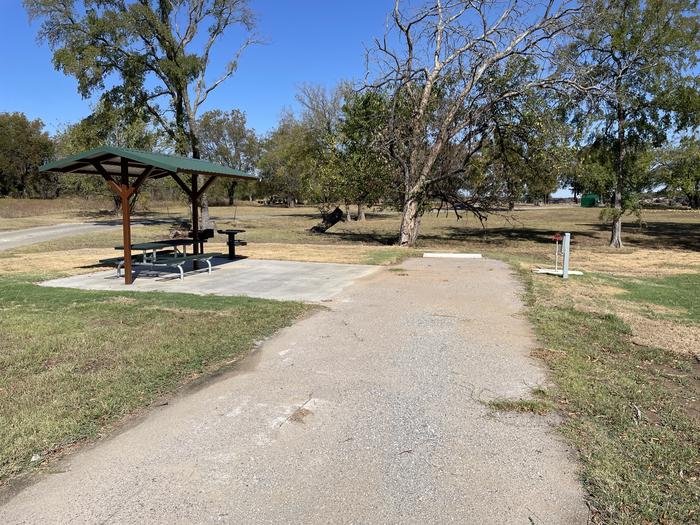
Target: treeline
<point>472,105</point>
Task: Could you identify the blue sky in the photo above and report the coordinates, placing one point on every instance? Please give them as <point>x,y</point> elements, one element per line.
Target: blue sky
<point>314,41</point>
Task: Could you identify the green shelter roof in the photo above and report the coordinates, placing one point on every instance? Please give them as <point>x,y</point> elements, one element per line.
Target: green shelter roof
<point>160,164</point>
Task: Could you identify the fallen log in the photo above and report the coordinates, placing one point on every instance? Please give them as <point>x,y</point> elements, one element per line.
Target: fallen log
<point>329,220</point>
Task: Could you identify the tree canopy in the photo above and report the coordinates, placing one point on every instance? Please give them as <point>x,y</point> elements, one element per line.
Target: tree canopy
<point>24,146</point>
<point>638,59</point>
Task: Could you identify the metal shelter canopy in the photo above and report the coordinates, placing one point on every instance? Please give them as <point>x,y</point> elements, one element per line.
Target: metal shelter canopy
<point>125,170</point>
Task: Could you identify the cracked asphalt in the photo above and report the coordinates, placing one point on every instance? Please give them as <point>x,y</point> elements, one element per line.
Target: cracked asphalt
<point>371,411</point>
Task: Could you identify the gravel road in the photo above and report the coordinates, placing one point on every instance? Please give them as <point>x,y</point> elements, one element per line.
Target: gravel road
<point>15,238</point>
<point>370,411</point>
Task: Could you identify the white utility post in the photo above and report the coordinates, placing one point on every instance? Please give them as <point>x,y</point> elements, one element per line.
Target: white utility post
<point>565,248</point>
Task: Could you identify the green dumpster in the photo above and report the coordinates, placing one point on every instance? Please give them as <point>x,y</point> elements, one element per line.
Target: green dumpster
<point>589,200</point>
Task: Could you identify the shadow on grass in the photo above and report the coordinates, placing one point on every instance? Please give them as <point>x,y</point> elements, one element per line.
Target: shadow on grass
<point>499,235</point>
<point>378,238</point>
<point>673,235</point>
<point>457,234</point>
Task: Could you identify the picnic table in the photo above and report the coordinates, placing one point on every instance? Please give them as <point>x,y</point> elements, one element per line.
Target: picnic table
<point>176,257</point>
<point>232,241</point>
<point>154,246</point>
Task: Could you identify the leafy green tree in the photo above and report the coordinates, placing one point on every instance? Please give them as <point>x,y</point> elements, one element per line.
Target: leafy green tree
<point>639,57</point>
<point>105,126</point>
<point>336,148</point>
<point>24,146</point>
<point>321,118</point>
<point>678,168</point>
<point>367,173</point>
<point>157,52</point>
<point>226,139</point>
<point>288,162</point>
<point>527,148</point>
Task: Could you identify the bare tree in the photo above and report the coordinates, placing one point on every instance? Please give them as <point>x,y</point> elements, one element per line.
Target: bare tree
<point>446,66</point>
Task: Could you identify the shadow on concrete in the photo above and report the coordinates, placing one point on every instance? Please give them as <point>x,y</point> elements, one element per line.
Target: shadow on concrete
<point>166,272</point>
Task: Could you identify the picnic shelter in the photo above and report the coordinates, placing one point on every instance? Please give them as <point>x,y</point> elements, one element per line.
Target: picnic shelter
<point>125,170</point>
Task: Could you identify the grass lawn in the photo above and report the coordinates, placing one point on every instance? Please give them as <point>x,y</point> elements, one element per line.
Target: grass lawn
<point>632,411</point>
<point>622,342</point>
<point>72,362</point>
<point>680,293</point>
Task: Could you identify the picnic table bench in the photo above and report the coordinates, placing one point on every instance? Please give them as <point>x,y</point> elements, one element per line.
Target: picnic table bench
<point>153,257</point>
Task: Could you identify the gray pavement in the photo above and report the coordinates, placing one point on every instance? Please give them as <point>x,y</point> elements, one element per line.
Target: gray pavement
<point>282,280</point>
<point>370,411</point>
<point>16,238</point>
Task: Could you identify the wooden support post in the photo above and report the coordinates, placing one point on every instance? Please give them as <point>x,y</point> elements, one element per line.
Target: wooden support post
<point>195,216</point>
<point>206,185</point>
<point>125,193</point>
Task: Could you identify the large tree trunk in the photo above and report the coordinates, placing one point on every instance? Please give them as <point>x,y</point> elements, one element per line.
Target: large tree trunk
<point>231,192</point>
<point>410,223</point>
<point>616,233</point>
<point>204,206</point>
<point>694,197</point>
<point>360,212</point>
<point>346,216</point>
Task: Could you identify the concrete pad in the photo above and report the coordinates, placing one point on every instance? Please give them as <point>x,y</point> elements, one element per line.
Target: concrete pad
<point>552,271</point>
<point>281,280</point>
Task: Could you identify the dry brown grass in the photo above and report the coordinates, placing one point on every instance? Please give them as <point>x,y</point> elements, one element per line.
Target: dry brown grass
<point>638,262</point>
<point>595,295</point>
<point>68,262</point>
<point>16,214</point>
<point>84,260</point>
<point>350,254</point>
<point>665,246</point>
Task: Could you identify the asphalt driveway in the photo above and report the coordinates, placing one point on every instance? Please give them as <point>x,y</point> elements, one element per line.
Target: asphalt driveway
<point>370,411</point>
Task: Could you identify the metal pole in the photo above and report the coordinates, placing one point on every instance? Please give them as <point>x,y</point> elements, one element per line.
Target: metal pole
<point>565,247</point>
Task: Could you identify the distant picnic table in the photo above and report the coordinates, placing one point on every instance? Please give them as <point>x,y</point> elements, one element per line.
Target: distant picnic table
<point>232,241</point>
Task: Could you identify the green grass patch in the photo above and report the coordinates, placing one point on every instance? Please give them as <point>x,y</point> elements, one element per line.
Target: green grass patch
<point>74,361</point>
<point>390,256</point>
<point>631,411</point>
<point>680,292</point>
<point>523,406</point>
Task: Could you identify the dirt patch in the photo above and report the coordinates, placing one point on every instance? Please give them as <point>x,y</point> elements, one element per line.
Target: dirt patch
<point>121,300</point>
<point>299,414</point>
<point>660,333</point>
<point>327,253</point>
